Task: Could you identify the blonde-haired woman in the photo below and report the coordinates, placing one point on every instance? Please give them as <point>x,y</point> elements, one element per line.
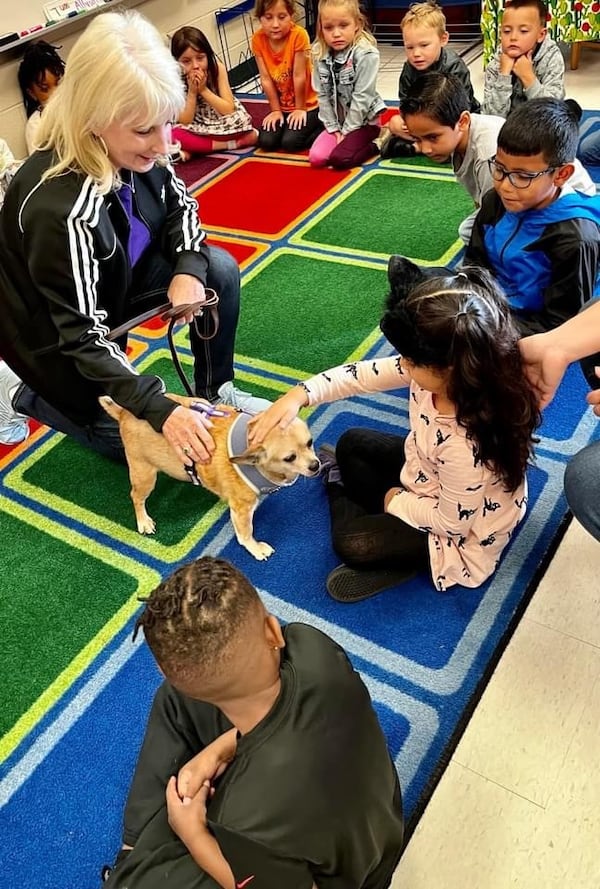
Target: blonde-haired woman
<point>96,229</point>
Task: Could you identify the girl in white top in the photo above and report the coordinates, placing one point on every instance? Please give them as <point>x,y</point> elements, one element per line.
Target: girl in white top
<point>449,496</point>
<point>213,118</point>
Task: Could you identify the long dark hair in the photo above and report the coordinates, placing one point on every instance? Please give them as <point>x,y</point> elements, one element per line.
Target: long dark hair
<point>38,58</point>
<point>193,38</point>
<point>462,323</point>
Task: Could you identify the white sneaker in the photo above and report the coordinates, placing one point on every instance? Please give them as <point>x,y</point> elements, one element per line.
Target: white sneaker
<point>14,427</point>
<point>243,401</point>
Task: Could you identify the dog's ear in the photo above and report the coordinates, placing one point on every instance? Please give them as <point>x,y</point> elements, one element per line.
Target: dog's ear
<point>404,274</point>
<point>250,457</point>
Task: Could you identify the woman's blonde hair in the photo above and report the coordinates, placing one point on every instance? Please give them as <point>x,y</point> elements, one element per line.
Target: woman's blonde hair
<point>425,15</point>
<point>118,70</point>
<point>320,47</point>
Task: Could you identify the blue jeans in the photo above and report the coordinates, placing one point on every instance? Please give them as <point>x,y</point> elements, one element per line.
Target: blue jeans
<point>213,359</point>
<point>582,487</point>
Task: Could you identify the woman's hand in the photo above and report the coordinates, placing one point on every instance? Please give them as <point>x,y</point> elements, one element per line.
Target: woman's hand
<point>280,414</point>
<point>272,120</point>
<point>297,119</point>
<point>544,364</point>
<point>185,289</point>
<point>187,432</point>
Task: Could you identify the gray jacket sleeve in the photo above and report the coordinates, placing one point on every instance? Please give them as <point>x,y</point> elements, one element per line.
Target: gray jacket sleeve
<point>364,92</point>
<point>550,75</point>
<point>497,89</point>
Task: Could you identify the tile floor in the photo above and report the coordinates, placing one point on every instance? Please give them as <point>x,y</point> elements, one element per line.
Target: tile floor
<point>519,805</point>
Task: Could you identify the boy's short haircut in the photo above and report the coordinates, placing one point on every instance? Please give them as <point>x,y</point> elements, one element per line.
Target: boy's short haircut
<point>442,97</point>
<point>425,15</point>
<point>537,4</point>
<point>263,6</point>
<point>191,618</point>
<point>545,126</point>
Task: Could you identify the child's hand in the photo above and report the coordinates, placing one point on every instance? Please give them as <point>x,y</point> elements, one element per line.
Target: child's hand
<point>390,496</point>
<point>186,816</point>
<point>206,766</point>
<point>273,120</point>
<point>338,137</point>
<point>192,83</point>
<point>506,64</point>
<point>297,119</point>
<point>397,127</point>
<point>281,414</point>
<point>523,69</point>
<point>201,80</point>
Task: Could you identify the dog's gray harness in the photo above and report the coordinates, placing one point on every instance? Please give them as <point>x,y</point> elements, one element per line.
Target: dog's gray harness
<point>237,443</point>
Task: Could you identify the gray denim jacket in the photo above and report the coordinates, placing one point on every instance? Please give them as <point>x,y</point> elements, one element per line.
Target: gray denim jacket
<point>346,83</point>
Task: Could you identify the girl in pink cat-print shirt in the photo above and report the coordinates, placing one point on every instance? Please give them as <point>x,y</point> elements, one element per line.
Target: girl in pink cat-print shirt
<point>449,495</point>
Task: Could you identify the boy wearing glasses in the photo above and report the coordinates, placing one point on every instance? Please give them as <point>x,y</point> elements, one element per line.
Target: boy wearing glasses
<point>536,234</point>
<point>437,116</point>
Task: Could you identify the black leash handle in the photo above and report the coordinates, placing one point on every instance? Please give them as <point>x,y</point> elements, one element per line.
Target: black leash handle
<point>172,314</point>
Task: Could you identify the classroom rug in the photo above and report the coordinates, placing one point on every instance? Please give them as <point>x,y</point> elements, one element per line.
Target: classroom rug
<point>313,246</point>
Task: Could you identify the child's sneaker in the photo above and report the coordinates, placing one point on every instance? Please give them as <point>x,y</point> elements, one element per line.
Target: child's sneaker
<point>243,401</point>
<point>397,147</point>
<point>14,427</point>
<point>347,585</point>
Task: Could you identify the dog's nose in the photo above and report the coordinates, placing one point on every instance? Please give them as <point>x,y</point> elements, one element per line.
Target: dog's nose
<point>314,465</point>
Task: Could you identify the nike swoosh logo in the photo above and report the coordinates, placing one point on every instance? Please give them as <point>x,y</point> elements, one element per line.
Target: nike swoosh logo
<point>244,882</point>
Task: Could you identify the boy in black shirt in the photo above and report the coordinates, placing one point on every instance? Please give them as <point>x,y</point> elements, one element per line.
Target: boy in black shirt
<point>263,762</point>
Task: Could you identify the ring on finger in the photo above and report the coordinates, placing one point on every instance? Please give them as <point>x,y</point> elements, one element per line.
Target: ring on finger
<point>186,451</point>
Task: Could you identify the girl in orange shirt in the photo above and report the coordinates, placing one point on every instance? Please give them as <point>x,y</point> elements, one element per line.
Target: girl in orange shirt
<point>282,52</point>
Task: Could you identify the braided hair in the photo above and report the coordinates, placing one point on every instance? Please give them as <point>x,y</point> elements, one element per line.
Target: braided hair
<point>38,58</point>
<point>190,619</point>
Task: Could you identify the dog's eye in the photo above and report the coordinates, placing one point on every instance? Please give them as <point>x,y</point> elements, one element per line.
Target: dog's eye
<point>309,443</point>
<point>290,458</point>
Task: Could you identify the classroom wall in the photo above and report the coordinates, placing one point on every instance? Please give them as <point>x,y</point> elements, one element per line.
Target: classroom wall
<point>167,15</point>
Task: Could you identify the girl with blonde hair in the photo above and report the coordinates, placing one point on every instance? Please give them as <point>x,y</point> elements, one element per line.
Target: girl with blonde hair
<point>346,80</point>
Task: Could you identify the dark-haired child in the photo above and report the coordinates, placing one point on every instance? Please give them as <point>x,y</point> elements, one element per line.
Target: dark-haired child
<point>448,497</point>
<point>263,761</point>
<point>528,63</point>
<point>282,50</point>
<point>436,114</point>
<point>539,237</point>
<point>426,47</point>
<point>212,119</point>
<point>40,71</point>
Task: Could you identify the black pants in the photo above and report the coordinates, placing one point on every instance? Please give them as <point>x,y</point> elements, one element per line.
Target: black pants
<point>363,535</point>
<point>291,141</point>
<point>213,359</point>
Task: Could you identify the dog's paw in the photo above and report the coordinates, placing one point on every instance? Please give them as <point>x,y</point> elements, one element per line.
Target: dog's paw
<point>261,550</point>
<point>146,525</point>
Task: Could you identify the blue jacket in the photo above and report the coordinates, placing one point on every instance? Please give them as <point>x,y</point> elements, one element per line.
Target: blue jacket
<point>547,261</point>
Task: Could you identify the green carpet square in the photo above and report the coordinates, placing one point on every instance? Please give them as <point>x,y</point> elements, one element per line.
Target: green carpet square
<point>376,218</point>
<point>50,613</point>
<point>326,309</point>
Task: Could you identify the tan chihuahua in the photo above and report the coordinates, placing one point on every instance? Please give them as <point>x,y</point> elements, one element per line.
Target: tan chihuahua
<point>236,473</point>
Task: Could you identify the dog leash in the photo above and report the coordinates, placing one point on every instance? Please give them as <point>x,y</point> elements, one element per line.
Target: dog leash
<point>172,314</point>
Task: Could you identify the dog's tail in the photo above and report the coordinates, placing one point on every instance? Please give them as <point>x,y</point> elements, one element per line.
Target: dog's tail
<point>111,407</point>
